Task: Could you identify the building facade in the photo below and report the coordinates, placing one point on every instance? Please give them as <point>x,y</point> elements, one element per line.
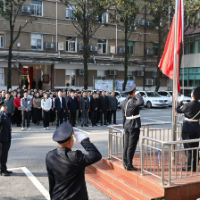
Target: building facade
<point>49,49</point>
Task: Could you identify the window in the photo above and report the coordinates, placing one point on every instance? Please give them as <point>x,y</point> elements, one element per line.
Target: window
<point>102,46</point>
<point>70,12</point>
<point>36,41</point>
<point>2,82</point>
<point>131,48</point>
<point>36,8</point>
<point>155,48</point>
<point>192,46</point>
<point>70,44</point>
<point>103,18</point>
<point>130,75</point>
<point>101,74</point>
<point>1,41</point>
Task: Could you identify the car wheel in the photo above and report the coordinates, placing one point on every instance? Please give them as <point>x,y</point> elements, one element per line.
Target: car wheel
<point>149,105</point>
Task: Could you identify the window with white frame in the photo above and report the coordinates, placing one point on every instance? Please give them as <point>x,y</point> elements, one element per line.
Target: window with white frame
<point>102,18</point>
<point>70,11</point>
<point>130,75</point>
<point>36,41</point>
<point>1,41</point>
<point>70,44</point>
<point>101,74</point>
<point>36,8</point>
<point>2,82</point>
<point>102,46</point>
<point>131,48</point>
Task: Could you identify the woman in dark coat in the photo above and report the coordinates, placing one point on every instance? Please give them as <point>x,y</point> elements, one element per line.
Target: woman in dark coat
<point>37,109</point>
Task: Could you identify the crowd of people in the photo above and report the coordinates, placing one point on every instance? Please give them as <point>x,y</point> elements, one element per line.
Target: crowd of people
<point>53,107</point>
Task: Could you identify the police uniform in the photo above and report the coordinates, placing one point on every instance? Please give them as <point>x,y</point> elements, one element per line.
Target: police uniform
<point>66,168</point>
<point>5,141</point>
<point>191,127</point>
<point>131,123</point>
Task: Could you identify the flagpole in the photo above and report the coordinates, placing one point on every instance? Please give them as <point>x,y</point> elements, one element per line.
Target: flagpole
<point>175,83</point>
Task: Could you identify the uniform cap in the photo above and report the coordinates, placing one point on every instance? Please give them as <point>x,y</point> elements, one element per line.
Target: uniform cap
<point>63,133</point>
<point>132,88</point>
<point>196,93</point>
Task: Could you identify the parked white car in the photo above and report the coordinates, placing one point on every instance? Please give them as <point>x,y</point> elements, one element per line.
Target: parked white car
<point>153,99</point>
<point>121,97</point>
<point>169,94</point>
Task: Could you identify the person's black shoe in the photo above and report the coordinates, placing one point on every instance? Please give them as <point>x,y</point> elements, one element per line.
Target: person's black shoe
<point>131,168</point>
<point>81,125</point>
<point>101,124</point>
<point>10,172</point>
<point>95,125</point>
<point>5,173</point>
<point>86,125</point>
<point>188,169</point>
<point>92,125</point>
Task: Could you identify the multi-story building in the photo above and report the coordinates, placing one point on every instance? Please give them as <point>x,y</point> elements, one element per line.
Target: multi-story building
<point>49,49</point>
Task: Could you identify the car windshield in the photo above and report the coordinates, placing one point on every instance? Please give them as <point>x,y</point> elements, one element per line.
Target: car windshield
<point>171,93</point>
<point>124,95</point>
<point>152,94</point>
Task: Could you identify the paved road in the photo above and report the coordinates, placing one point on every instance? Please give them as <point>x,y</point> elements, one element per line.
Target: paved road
<point>27,157</point>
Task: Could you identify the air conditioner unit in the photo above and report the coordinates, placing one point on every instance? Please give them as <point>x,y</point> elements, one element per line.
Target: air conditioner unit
<point>154,74</point>
<point>141,22</point>
<point>26,10</point>
<point>80,47</point>
<point>93,48</point>
<point>49,46</point>
<point>112,72</point>
<point>140,73</point>
<point>121,50</point>
<point>101,77</point>
<point>81,72</point>
<point>149,81</point>
<point>149,23</point>
<point>149,52</point>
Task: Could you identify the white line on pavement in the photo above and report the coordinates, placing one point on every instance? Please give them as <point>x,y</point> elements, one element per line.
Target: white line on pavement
<point>34,180</point>
<point>27,138</point>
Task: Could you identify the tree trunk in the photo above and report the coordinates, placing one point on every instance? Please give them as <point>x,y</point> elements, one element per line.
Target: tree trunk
<point>85,66</point>
<point>126,55</point>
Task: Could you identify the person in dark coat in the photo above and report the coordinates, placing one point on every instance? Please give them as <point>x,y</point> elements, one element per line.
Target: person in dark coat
<point>72,108</point>
<point>98,106</point>
<point>5,139</point>
<point>191,128</point>
<point>93,110</point>
<point>104,105</point>
<point>60,108</point>
<point>131,123</point>
<point>66,168</point>
<point>33,84</point>
<point>40,84</point>
<point>113,106</point>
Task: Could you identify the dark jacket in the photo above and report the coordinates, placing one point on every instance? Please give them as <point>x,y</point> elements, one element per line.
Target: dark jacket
<point>133,108</point>
<point>5,128</point>
<point>58,105</point>
<point>104,103</point>
<point>82,103</point>
<point>190,110</point>
<point>113,103</point>
<point>10,105</point>
<point>72,105</point>
<point>98,103</point>
<point>66,171</point>
<point>93,104</point>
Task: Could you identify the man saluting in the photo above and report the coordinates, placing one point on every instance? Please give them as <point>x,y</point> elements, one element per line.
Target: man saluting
<point>131,123</point>
<point>191,127</point>
<point>66,168</point>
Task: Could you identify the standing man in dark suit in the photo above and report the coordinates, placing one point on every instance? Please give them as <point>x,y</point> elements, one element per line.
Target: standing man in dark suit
<point>131,123</point>
<point>5,139</point>
<point>66,168</point>
<point>191,128</point>
<point>72,108</point>
<point>93,110</point>
<point>60,108</point>
<point>104,105</point>
<point>84,109</point>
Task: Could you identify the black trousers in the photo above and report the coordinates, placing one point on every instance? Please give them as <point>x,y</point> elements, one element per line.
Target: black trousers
<point>52,116</point>
<point>65,116</point>
<point>25,116</point>
<point>189,136</point>
<point>94,117</point>
<point>10,116</point>
<point>130,145</point>
<point>108,116</point>
<point>73,118</point>
<point>112,113</point>
<point>46,119</point>
<point>4,148</point>
<point>59,117</point>
<point>103,115</point>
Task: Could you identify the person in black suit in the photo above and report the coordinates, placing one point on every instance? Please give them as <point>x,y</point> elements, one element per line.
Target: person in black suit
<point>93,109</point>
<point>5,139</point>
<point>60,108</point>
<point>104,105</point>
<point>66,168</point>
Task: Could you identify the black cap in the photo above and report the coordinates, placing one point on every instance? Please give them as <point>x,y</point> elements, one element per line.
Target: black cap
<point>196,93</point>
<point>63,133</point>
<point>132,88</point>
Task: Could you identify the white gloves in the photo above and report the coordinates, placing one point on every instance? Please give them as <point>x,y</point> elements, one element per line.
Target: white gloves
<point>182,97</point>
<point>79,137</point>
<point>137,92</point>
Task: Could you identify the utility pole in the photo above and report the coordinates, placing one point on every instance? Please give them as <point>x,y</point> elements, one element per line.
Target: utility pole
<point>145,30</point>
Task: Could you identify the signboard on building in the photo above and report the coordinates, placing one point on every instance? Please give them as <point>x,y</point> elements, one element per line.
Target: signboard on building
<point>106,85</point>
<point>60,46</point>
<point>119,84</point>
